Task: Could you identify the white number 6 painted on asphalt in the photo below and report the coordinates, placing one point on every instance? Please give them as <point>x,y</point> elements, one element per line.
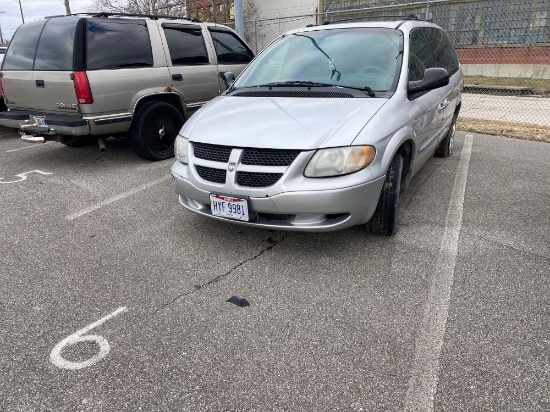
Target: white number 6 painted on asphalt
<point>81,336</point>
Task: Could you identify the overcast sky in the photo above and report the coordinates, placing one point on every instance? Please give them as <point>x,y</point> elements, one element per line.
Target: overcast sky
<point>34,10</point>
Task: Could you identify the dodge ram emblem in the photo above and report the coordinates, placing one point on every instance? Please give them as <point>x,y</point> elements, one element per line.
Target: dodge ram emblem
<point>231,167</point>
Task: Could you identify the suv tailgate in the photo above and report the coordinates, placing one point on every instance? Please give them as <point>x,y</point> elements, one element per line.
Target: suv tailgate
<point>40,91</point>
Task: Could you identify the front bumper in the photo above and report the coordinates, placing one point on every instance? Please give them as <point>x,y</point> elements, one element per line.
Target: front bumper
<point>54,124</point>
<point>307,210</point>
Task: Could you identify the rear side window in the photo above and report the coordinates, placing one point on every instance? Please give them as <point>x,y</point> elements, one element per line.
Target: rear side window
<point>55,48</point>
<point>420,57</point>
<point>20,55</point>
<point>186,46</point>
<point>230,49</point>
<point>442,49</point>
<point>117,44</point>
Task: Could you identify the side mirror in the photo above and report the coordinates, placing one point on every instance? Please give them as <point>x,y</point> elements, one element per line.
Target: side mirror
<point>228,78</point>
<point>433,78</point>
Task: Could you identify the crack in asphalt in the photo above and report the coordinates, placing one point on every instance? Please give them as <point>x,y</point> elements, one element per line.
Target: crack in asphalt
<point>270,240</point>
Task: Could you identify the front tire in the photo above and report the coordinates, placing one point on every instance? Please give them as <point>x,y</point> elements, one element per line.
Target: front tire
<point>154,130</point>
<point>384,220</point>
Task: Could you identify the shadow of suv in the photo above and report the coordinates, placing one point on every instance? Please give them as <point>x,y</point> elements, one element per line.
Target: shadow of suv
<point>81,78</point>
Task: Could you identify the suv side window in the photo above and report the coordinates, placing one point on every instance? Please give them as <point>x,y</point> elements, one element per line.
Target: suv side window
<point>229,48</point>
<point>186,46</point>
<point>55,48</point>
<point>443,50</point>
<point>420,57</point>
<point>117,44</point>
<point>20,55</point>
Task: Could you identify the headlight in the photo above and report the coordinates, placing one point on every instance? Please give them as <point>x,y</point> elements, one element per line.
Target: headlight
<point>181,148</point>
<point>339,161</point>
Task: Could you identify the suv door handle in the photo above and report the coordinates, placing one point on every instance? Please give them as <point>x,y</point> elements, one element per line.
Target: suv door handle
<point>177,77</point>
<point>443,105</point>
<point>39,83</point>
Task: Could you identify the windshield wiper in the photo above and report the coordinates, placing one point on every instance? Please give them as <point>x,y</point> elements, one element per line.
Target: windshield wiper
<point>292,83</point>
<point>308,83</point>
<point>369,91</point>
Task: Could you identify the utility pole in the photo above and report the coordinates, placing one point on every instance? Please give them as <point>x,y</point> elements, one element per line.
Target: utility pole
<point>21,8</point>
<point>67,8</point>
<point>239,20</point>
<point>1,38</point>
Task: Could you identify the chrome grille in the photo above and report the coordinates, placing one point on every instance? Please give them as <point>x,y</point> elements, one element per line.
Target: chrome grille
<point>256,179</point>
<point>263,157</point>
<point>275,158</point>
<point>215,153</point>
<point>211,174</point>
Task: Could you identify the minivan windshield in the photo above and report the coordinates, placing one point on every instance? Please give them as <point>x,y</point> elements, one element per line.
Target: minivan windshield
<point>359,58</point>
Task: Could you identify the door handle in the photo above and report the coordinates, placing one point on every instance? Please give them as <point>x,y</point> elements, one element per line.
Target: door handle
<point>40,83</point>
<point>443,105</point>
<point>177,77</point>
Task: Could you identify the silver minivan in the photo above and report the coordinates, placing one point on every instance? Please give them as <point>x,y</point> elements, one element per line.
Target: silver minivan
<point>324,129</point>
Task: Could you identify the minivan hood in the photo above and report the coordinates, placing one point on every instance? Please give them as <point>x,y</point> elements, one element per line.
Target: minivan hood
<point>281,122</point>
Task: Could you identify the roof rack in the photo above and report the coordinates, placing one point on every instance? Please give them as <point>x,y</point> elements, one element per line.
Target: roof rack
<point>114,14</point>
<point>379,17</point>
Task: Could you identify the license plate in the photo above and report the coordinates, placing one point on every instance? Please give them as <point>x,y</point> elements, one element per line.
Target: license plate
<point>230,207</point>
<point>40,120</point>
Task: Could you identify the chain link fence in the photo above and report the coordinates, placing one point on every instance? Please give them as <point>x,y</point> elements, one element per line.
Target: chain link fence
<point>503,47</point>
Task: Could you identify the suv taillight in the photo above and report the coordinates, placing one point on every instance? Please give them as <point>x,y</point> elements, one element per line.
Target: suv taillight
<point>2,88</point>
<point>82,88</point>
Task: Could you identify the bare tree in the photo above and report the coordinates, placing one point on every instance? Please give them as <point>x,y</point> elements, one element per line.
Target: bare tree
<point>155,7</point>
<point>220,11</point>
<point>211,10</point>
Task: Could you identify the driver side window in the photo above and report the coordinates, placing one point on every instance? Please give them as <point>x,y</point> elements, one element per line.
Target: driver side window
<point>420,57</point>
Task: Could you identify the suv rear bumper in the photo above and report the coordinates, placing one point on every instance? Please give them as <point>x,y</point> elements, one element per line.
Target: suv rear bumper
<point>55,124</point>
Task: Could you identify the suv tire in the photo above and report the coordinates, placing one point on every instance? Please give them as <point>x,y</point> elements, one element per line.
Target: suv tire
<point>445,148</point>
<point>384,220</point>
<point>154,130</point>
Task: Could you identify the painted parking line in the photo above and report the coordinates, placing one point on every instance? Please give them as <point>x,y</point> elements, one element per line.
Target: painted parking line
<point>21,177</point>
<point>116,198</point>
<point>422,385</point>
<point>30,146</point>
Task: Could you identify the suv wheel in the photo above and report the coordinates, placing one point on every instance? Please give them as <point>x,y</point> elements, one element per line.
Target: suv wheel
<point>384,220</point>
<point>154,130</point>
<point>445,148</point>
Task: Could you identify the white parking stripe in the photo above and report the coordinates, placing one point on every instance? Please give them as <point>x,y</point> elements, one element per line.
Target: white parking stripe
<point>116,198</point>
<point>30,146</point>
<point>422,385</point>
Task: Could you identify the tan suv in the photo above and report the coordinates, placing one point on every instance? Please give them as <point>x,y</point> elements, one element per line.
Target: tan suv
<point>81,78</point>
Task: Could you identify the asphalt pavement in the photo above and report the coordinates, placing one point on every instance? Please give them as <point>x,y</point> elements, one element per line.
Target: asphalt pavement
<point>114,298</point>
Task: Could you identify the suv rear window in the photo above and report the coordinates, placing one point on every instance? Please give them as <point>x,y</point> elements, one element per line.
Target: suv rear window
<point>55,48</point>
<point>20,55</point>
<point>117,44</point>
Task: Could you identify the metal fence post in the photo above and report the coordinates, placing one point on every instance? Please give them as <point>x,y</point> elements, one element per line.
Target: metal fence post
<point>427,17</point>
<point>256,36</point>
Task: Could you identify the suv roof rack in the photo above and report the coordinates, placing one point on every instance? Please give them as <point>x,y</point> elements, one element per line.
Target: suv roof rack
<point>115,14</point>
